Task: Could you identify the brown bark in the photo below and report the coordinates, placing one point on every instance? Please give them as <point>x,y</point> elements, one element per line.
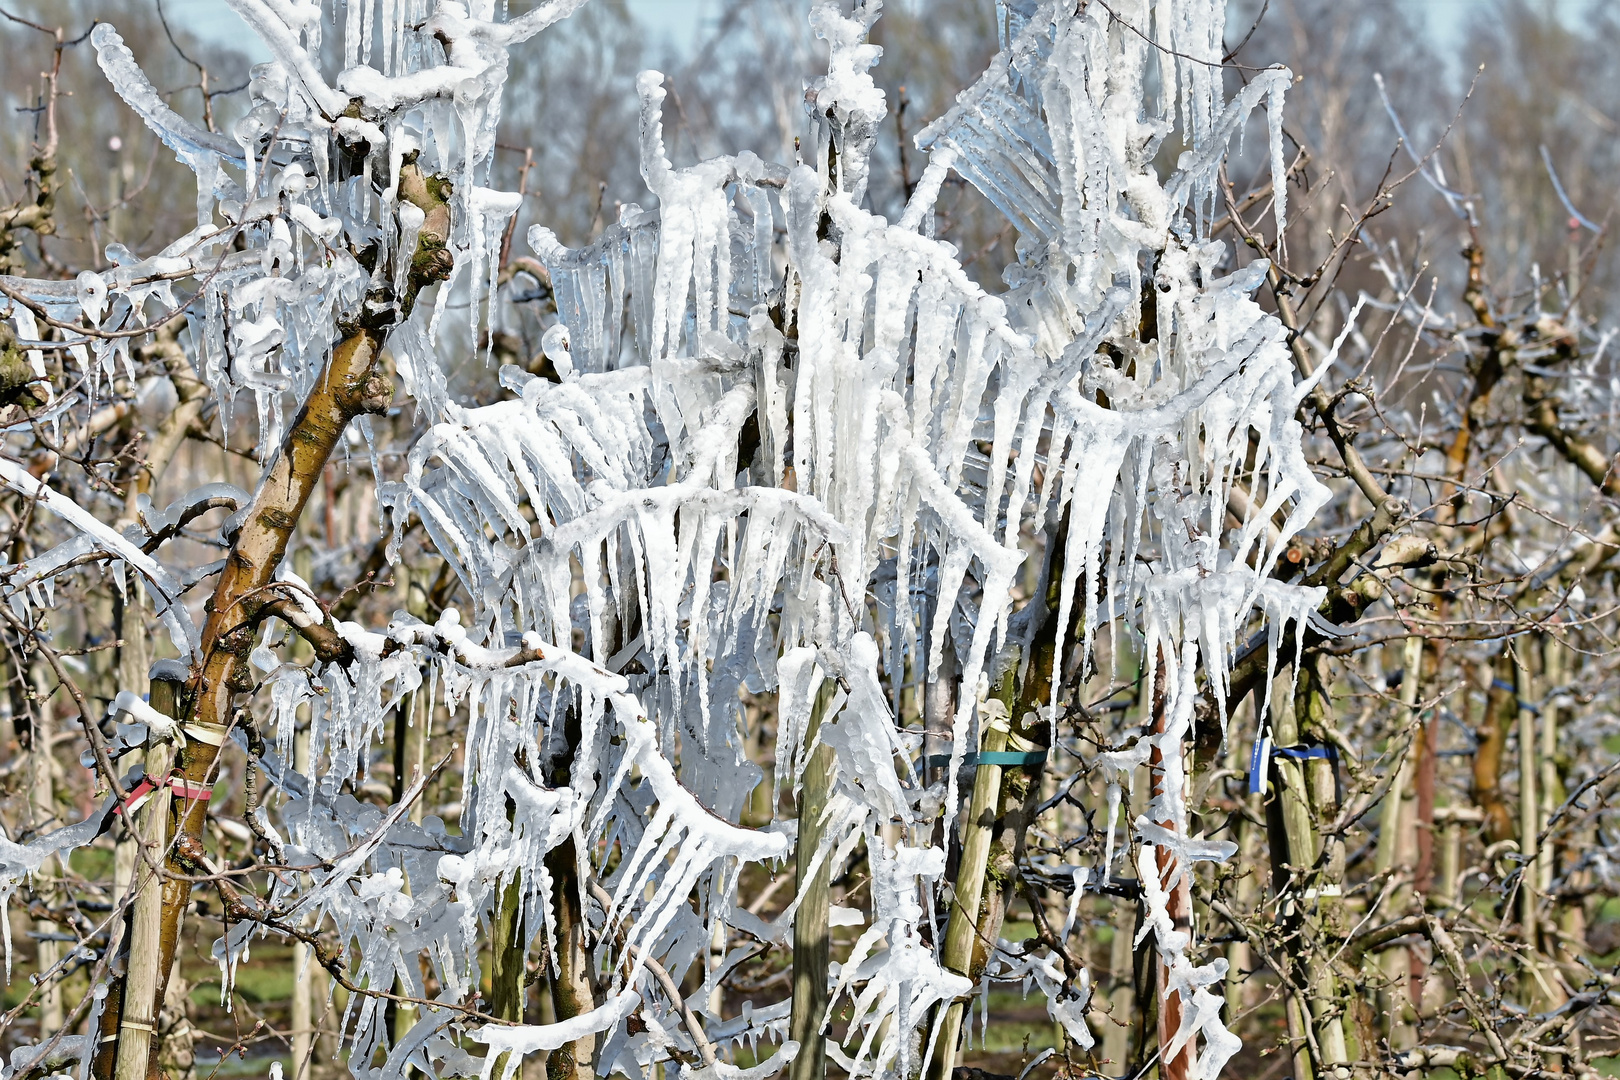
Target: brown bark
<point>1501,710</point>
<point>1487,368</point>
<point>1544,420</point>
<point>571,991</point>
<point>356,381</point>
<point>1428,744</point>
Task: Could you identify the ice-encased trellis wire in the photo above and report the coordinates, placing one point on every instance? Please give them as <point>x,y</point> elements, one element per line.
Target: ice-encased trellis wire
<point>901,412</point>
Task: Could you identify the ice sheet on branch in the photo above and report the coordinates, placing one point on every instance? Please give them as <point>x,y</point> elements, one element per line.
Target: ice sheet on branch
<point>904,371</point>
<point>396,891</point>
<point>312,172</point>
<point>20,861</point>
<point>792,442</point>
<point>1061,134</point>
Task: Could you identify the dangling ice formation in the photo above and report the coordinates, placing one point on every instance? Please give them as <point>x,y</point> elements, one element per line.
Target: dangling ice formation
<point>817,401</point>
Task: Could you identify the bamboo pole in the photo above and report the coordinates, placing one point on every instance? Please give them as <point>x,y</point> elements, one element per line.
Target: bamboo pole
<point>303,1019</point>
<point>1324,915</point>
<point>1315,870</point>
<point>1001,810</point>
<point>309,978</point>
<point>1116,1045</point>
<point>960,936</point>
<point>1550,787</point>
<point>1239,987</point>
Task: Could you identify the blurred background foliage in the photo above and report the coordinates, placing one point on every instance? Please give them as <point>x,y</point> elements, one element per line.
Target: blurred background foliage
<point>1542,75</point>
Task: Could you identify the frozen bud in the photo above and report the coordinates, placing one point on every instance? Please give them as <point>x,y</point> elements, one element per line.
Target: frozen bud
<point>555,346</point>
<point>248,129</point>
<point>293,180</point>
<point>92,295</point>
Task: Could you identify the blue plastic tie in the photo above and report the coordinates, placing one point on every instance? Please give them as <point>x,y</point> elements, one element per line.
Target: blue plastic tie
<point>990,757</point>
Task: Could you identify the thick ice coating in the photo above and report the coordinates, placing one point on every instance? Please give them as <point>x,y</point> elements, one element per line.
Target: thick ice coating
<point>793,448</point>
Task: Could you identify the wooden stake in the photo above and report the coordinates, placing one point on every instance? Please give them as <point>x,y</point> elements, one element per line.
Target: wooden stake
<point>812,934</point>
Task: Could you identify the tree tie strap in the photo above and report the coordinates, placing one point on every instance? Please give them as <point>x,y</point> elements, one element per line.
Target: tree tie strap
<point>1264,751</point>
<point>990,757</point>
<point>203,731</point>
<point>1528,706</point>
<point>1302,751</point>
<point>138,796</point>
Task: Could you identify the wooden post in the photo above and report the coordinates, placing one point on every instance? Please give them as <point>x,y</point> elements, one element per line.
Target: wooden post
<point>143,980</point>
<point>1173,879</point>
<point>42,795</point>
<point>1529,808</point>
<point>1396,844</point>
<point>812,934</point>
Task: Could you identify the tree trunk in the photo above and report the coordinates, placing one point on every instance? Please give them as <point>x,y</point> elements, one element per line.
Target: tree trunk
<point>1501,708</point>
<point>1315,870</point>
<point>356,381</point>
<point>508,949</point>
<point>1174,880</point>
<point>573,991</point>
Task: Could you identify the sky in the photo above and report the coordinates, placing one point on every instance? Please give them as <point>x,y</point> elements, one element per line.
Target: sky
<point>678,20</point>
<point>674,19</point>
